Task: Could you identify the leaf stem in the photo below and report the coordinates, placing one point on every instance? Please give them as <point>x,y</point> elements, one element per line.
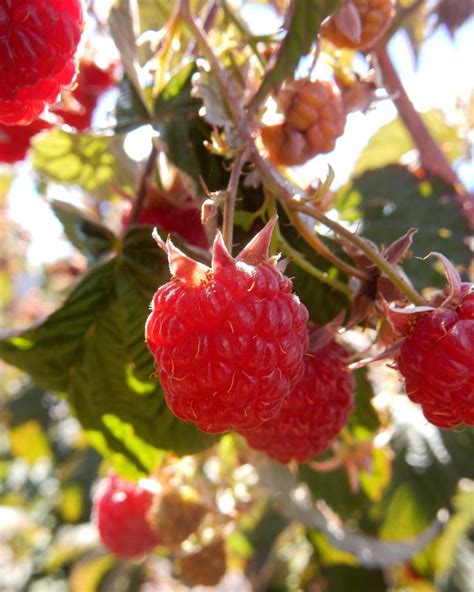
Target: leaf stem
<point>229,203</point>
<point>141,193</point>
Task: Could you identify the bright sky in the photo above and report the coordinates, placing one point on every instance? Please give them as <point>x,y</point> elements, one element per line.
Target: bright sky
<point>444,78</point>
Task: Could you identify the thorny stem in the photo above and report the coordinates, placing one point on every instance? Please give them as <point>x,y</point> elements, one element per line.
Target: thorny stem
<point>322,276</point>
<point>141,193</point>
<point>431,155</point>
<point>284,195</point>
<point>369,251</point>
<point>230,195</point>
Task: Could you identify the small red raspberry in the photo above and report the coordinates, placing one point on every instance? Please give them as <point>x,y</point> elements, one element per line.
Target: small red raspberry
<point>15,140</point>
<point>229,341</point>
<point>358,24</point>
<point>314,119</point>
<point>314,413</point>
<point>78,106</point>
<point>37,44</point>
<point>120,509</point>
<point>205,567</point>
<point>437,363</point>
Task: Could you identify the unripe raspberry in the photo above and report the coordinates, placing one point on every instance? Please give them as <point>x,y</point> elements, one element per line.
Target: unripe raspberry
<point>37,44</point>
<point>314,413</point>
<point>437,363</point>
<point>174,517</point>
<point>120,509</point>
<point>15,140</point>
<point>358,24</point>
<point>228,342</point>
<point>205,567</point>
<point>314,118</point>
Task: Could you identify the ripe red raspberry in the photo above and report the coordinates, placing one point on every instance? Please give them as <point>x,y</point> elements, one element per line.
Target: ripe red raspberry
<point>437,363</point>
<point>15,140</point>
<point>358,24</point>
<point>37,44</point>
<point>120,509</point>
<point>314,119</point>
<point>78,108</point>
<point>228,342</point>
<point>314,413</point>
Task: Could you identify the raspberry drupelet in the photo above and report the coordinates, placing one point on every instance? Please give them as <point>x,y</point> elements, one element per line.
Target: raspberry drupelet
<point>228,342</point>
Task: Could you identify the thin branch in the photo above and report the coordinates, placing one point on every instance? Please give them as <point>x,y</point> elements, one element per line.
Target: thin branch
<point>230,195</point>
<point>300,260</point>
<point>365,247</point>
<point>141,193</point>
<point>431,156</point>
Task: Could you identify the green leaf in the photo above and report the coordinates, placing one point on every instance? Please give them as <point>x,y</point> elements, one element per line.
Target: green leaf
<point>86,233</point>
<point>363,420</point>
<point>304,19</point>
<point>393,140</point>
<point>130,112</point>
<point>390,200</point>
<point>93,349</point>
<point>89,161</point>
<point>175,100</point>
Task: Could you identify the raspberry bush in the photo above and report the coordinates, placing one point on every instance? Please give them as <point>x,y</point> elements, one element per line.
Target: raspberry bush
<point>236,336</point>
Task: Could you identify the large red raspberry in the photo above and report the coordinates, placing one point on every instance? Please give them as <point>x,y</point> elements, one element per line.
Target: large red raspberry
<point>314,118</point>
<point>229,341</point>
<point>15,140</point>
<point>92,81</point>
<point>314,413</point>
<point>37,44</point>
<point>437,362</point>
<point>358,24</point>
<point>120,509</point>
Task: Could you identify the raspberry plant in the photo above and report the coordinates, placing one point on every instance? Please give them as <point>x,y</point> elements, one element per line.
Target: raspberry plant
<point>273,366</point>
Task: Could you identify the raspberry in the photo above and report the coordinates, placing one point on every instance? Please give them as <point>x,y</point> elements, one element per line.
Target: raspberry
<point>437,363</point>
<point>120,509</point>
<point>91,83</point>
<point>314,119</point>
<point>229,341</point>
<point>37,44</point>
<point>205,567</point>
<point>15,140</point>
<point>175,517</point>
<point>373,20</point>
<point>314,413</point>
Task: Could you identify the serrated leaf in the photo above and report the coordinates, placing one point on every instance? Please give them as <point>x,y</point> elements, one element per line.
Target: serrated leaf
<point>390,200</point>
<point>86,160</point>
<point>392,141</point>
<point>175,100</point>
<point>86,233</point>
<point>304,19</point>
<point>93,349</point>
<point>130,112</point>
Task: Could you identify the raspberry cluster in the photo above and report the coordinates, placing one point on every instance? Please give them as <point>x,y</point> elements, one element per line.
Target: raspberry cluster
<point>314,118</point>
<point>437,363</point>
<point>314,413</point>
<point>358,24</point>
<point>38,40</point>
<point>228,342</point>
<point>120,509</point>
